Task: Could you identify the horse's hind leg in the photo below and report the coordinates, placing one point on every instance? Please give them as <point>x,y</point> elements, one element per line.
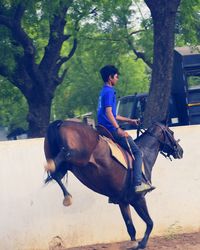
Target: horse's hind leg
<point>126,213</point>
<point>67,196</point>
<point>142,210</point>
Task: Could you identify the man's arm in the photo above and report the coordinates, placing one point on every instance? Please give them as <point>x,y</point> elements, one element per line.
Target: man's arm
<point>129,120</point>
<point>112,119</point>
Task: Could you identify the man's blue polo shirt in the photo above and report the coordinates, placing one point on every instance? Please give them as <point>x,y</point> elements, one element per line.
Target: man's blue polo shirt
<point>107,98</point>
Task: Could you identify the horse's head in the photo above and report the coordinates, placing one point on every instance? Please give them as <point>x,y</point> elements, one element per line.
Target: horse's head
<point>169,146</point>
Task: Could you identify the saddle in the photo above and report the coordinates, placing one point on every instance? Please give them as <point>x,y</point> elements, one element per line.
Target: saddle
<point>119,153</point>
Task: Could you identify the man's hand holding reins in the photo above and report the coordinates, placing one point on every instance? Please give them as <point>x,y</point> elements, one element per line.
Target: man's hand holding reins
<point>135,122</point>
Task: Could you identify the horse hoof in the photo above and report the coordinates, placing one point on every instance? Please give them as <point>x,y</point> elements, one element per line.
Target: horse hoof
<point>50,166</point>
<point>141,245</point>
<point>134,245</point>
<point>67,201</point>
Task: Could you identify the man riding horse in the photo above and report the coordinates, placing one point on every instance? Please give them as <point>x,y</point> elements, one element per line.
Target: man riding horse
<point>78,148</point>
<point>107,118</point>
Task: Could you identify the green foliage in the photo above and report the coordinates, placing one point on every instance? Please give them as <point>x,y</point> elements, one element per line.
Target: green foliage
<point>6,49</point>
<point>193,81</point>
<point>188,23</point>
<point>134,76</point>
<point>144,41</point>
<point>13,106</point>
<point>102,35</point>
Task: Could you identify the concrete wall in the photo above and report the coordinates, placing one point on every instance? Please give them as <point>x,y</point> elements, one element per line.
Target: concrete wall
<point>32,216</point>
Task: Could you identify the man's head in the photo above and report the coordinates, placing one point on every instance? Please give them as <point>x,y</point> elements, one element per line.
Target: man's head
<point>109,73</point>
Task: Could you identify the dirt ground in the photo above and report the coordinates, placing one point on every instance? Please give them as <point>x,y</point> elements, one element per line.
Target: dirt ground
<point>189,241</point>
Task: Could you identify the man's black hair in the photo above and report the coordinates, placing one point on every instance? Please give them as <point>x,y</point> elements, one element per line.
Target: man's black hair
<point>108,70</point>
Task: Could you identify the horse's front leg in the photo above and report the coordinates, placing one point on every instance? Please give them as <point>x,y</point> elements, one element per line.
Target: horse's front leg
<point>142,210</point>
<point>126,213</point>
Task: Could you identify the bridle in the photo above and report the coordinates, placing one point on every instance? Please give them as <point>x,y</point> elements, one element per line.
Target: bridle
<point>166,149</point>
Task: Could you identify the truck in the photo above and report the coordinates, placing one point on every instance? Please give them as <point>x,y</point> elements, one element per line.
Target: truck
<point>184,102</point>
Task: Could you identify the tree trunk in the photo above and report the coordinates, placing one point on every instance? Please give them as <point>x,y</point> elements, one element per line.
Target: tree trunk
<point>38,118</point>
<point>163,13</point>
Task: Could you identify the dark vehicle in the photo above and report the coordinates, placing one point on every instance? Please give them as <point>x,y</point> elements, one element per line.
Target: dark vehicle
<point>184,103</point>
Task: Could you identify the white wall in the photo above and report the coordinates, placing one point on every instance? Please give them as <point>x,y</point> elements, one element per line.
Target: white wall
<point>32,216</point>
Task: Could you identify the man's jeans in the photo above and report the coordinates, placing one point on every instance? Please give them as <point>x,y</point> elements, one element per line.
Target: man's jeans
<point>137,169</point>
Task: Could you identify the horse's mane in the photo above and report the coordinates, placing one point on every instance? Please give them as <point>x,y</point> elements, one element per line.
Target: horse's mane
<point>139,139</point>
<point>148,131</point>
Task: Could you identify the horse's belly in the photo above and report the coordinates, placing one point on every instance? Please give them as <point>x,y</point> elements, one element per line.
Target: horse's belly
<point>104,181</point>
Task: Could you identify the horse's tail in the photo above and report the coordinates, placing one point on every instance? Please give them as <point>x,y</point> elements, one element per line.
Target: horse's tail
<point>55,143</point>
<point>53,137</point>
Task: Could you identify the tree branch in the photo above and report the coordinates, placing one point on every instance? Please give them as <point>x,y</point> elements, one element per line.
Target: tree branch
<point>13,23</point>
<point>138,54</point>
<point>62,60</point>
<point>94,11</point>
<point>21,36</point>
<point>102,39</point>
<point>56,39</point>
<point>73,49</point>
<point>66,37</point>
<point>11,77</point>
<point>4,71</point>
<point>59,79</point>
<point>136,32</point>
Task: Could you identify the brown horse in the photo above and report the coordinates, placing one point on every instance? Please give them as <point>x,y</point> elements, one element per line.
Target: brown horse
<point>77,147</point>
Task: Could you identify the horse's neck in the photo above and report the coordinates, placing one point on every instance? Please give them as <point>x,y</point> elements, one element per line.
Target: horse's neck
<point>150,149</point>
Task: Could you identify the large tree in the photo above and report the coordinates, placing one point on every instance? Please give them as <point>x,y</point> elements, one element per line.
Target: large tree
<point>163,14</point>
<point>39,65</point>
<point>37,68</point>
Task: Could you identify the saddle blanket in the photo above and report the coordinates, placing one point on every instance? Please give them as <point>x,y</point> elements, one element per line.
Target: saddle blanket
<point>117,153</point>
